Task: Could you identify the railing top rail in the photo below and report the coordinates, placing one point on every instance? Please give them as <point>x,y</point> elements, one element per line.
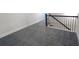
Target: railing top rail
<point>62,16</point>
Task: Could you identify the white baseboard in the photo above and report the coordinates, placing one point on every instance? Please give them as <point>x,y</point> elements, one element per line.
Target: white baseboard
<point>17,29</point>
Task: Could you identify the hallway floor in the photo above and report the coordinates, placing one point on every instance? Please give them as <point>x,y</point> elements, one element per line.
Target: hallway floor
<point>39,35</point>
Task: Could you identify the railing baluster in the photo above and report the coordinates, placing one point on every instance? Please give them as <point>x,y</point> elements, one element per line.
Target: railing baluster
<point>46,20</point>
<point>64,22</point>
<point>67,22</point>
<point>74,24</point>
<point>57,24</point>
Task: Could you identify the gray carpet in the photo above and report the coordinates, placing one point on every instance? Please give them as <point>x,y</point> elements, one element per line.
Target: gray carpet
<point>39,35</point>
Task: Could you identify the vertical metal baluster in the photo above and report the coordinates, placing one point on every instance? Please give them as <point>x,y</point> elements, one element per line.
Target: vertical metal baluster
<point>75,24</point>
<point>63,23</point>
<point>60,18</point>
<point>56,24</point>
<point>59,24</point>
<point>53,22</point>
<point>46,20</point>
<point>66,23</point>
<point>72,23</point>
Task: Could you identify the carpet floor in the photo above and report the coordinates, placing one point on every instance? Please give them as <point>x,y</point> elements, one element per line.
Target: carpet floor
<point>39,35</point>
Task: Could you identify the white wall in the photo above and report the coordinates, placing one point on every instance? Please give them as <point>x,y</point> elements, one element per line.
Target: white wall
<point>12,22</point>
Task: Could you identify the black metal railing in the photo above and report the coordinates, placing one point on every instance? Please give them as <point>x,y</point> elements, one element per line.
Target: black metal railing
<point>67,22</point>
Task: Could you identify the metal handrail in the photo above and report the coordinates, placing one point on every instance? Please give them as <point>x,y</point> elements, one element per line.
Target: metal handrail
<point>62,16</point>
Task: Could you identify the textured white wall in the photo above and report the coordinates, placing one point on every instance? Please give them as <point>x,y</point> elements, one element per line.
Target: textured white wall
<point>11,22</point>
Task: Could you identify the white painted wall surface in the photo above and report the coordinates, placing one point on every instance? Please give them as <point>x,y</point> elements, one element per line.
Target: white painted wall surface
<point>12,22</point>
